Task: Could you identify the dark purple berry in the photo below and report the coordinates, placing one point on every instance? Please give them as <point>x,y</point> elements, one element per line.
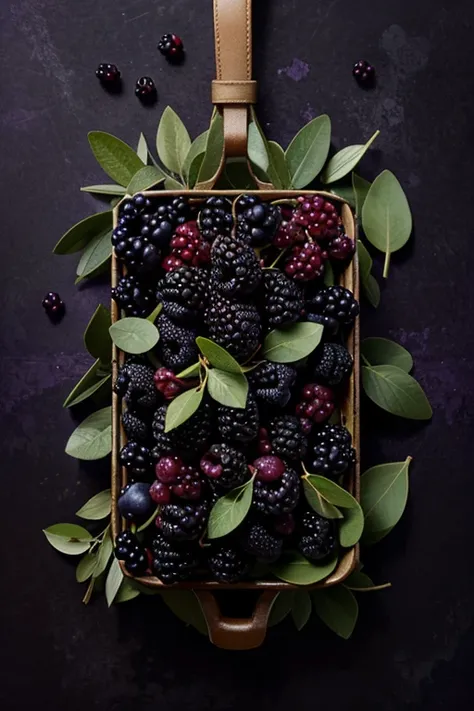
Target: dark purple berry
<point>168,469</point>
<point>364,73</point>
<point>269,468</point>
<point>53,305</point>
<point>108,74</point>
<point>135,501</point>
<point>145,89</point>
<point>171,47</point>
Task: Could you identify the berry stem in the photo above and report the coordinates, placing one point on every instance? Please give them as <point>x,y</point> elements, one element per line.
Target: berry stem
<point>88,594</point>
<point>150,520</point>
<point>133,528</point>
<point>282,252</point>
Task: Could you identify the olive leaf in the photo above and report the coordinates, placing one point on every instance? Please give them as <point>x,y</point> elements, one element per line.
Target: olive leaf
<point>368,281</point>
<point>185,605</point>
<point>103,556</point>
<point>113,581</point>
<point>382,351</point>
<point>127,591</point>
<point>278,169</point>
<point>191,372</point>
<point>134,335</point>
<point>331,491</point>
<point>172,141</point>
<point>230,510</point>
<point>329,279</point>
<point>68,538</point>
<point>361,187</point>
<point>345,160</point>
<point>307,152</point>
<point>96,254</point>
<point>155,313</point>
<point>98,507</point>
<point>228,389</point>
<point>87,385</point>
<point>116,190</point>
<point>237,174</point>
<point>214,150</point>
<point>287,345</point>
<point>182,407</point>
<point>395,391</point>
<point>360,582</point>
<point>337,608</point>
<point>172,184</point>
<point>80,234</point>
<point>256,148</point>
<point>86,567</point>
<point>317,501</point>
<point>142,149</point>
<point>194,170</point>
<point>115,157</point>
<point>386,216</point>
<point>301,608</point>
<point>343,190</point>
<point>96,336</point>
<point>198,147</point>
<point>352,526</point>
<point>145,178</point>
<point>383,497</point>
<point>218,356</point>
<point>92,439</point>
<point>281,607</point>
<point>294,568</point>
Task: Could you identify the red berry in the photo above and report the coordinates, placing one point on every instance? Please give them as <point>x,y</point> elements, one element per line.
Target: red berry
<point>269,468</point>
<point>53,305</point>
<point>187,248</point>
<point>160,493</point>
<point>168,469</point>
<point>317,216</point>
<point>341,248</point>
<point>168,384</point>
<point>306,262</point>
<point>289,231</point>
<point>285,524</point>
<point>264,444</point>
<point>316,405</point>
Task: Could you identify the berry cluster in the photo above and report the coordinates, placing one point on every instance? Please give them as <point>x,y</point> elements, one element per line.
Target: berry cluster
<point>230,273</point>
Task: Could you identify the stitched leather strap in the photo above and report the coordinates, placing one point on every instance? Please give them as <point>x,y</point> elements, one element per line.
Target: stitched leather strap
<point>234,91</point>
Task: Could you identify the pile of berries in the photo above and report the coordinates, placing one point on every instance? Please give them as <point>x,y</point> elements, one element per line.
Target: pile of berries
<point>230,273</point>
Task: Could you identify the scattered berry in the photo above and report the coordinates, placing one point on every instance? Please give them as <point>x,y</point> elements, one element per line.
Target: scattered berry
<point>331,452</point>
<point>283,300</point>
<point>134,298</point>
<point>364,73</point>
<point>239,424</point>
<point>171,47</point>
<point>177,347</point>
<point>53,305</point>
<point>215,218</point>
<point>318,539</point>
<point>333,363</point>
<point>236,267</point>
<point>234,326</point>
<point>306,262</point>
<point>316,405</point>
<point>262,544</point>
<point>183,522</point>
<point>286,437</point>
<point>131,552</point>
<point>228,564</point>
<point>269,468</point>
<point>333,306</point>
<point>173,563</point>
<point>271,382</point>
<point>279,496</point>
<point>317,216</point>
<point>108,74</point>
<point>183,293</point>
<point>136,458</point>
<point>145,89</point>
<point>225,466</point>
<point>257,221</point>
<point>134,501</point>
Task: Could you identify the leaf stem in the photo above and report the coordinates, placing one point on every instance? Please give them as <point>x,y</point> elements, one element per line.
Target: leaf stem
<point>386,264</point>
<point>374,588</point>
<point>365,359</point>
<point>149,520</point>
<point>88,594</point>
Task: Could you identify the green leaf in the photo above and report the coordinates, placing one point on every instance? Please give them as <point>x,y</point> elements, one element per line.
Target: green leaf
<point>103,556</point>
<point>185,605</point>
<point>142,149</point>
<point>68,538</point>
<point>278,170</point>
<point>198,147</point>
<point>332,492</point>
<point>115,157</point>
<point>113,581</point>
<point>96,336</point>
<point>345,160</point>
<point>191,372</point>
<point>360,582</point>
<point>372,290</point>
<point>383,496</point>
<point>145,178</point>
<point>294,568</point>
<point>214,150</point>
<point>351,527</point>
<point>329,279</point>
<point>317,502</point>
<point>155,313</point>
<point>85,567</point>
<point>92,439</point>
<point>230,510</point>
<point>337,608</point>
<point>78,236</point>
<point>87,385</point>
<point>238,175</point>
<point>365,260</point>
<point>134,335</point>
<point>343,190</point>
<point>301,608</point>
<point>218,356</point>
<point>127,591</point>
<point>182,407</point>
<point>195,169</point>
<point>361,188</point>
<point>307,152</point>
<point>392,389</point>
<point>172,184</point>
<point>281,607</point>
<point>256,148</point>
<point>382,351</point>
<point>117,190</point>
<point>228,389</point>
<point>386,216</point>
<point>172,141</point>
<point>287,345</point>
<point>97,253</point>
<point>98,507</point>
<point>368,281</point>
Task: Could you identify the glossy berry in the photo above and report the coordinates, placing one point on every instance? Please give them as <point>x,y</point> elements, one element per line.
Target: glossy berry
<point>134,501</point>
<point>269,468</point>
<point>187,248</point>
<point>333,306</point>
<point>53,305</point>
<point>185,521</point>
<point>171,46</point>
<point>145,89</point>
<point>160,493</point>
<point>136,458</point>
<point>264,444</point>
<point>134,298</point>
<point>173,562</point>
<point>215,218</point>
<point>177,347</point>
<point>136,385</point>
<point>225,466</point>
<point>131,552</point>
<point>364,73</point>
<point>306,262</point>
<point>289,231</point>
<point>236,267</point>
<point>317,216</point>
<point>258,541</point>
<point>332,363</point>
<point>188,484</point>
<point>169,385</point>
<point>286,437</point>
<point>228,564</point>
<point>108,74</point>
<point>277,497</point>
<point>239,424</point>
<point>136,426</point>
<point>257,221</point>
<point>168,469</point>
<point>283,299</point>
<point>234,325</point>
<point>316,405</point>
<point>331,452</point>
<point>271,382</point>
<point>318,536</point>
<point>341,248</point>
<point>183,293</point>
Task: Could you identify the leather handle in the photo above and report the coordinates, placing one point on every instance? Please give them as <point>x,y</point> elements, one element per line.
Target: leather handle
<point>234,91</point>
<point>234,632</point>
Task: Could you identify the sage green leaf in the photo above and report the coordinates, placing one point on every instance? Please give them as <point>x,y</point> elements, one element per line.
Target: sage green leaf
<point>96,336</point>
<point>337,608</point>
<point>68,538</point>
<point>155,313</point>
<point>86,567</point>
<point>395,391</point>
<point>214,150</point>
<point>88,392</point>
<point>185,605</point>
<point>230,510</point>
<point>92,439</point>
<point>307,152</point>
<point>301,608</point>
<point>228,389</point>
<point>294,568</point>
<point>365,260</point>
<point>172,184</point>
<point>103,556</point>
<point>361,187</point>
<point>182,407</point>
<point>343,190</point>
<point>96,254</point>
<point>368,281</point>
<point>386,216</point>
<point>142,149</point>
<point>172,141</point>
<point>372,537</point>
<point>383,496</point>
<point>117,190</point>
<point>115,157</point>
<point>287,345</point>
<point>332,492</point>
<point>372,290</point>
<point>145,178</point>
<point>198,147</point>
<point>89,382</point>
<point>194,170</point>
<point>98,507</point>
<point>127,591</point>
<point>317,502</point>
<point>351,527</point>
<point>278,170</point>
<point>134,335</point>
<point>218,356</point>
<point>281,607</point>
<point>78,236</point>
<point>238,175</point>
<point>113,581</point>
<point>256,148</point>
<point>329,279</point>
<point>345,160</point>
<point>382,351</point>
<point>191,372</point>
<point>360,582</point>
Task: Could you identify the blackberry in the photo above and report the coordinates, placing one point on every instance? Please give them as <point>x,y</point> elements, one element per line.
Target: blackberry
<point>188,484</point>
<point>318,536</point>
<point>287,438</point>
<point>235,266</point>
<point>333,306</point>
<point>225,466</point>
<point>317,216</point>
<point>145,90</point>
<point>136,426</point>
<point>331,451</point>
<point>259,542</point>
<point>234,326</point>
<point>171,47</point>
<point>215,218</point>
<point>131,552</point>
<point>135,383</point>
<point>108,74</point>
<point>306,262</point>
<point>183,522</point>
<point>364,73</point>
<point>257,221</point>
<point>183,293</point>
<point>173,563</point>
<point>316,405</point>
<point>136,252</point>
<point>133,297</point>
<point>271,382</point>
<point>283,301</point>
<point>135,501</point>
<point>279,496</point>
<point>177,347</point>
<point>53,305</point>
<point>239,425</point>
<point>228,564</point>
<point>333,363</point>
<point>136,458</point>
<point>191,435</point>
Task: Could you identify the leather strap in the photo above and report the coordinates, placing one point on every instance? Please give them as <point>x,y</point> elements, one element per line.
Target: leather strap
<point>233,91</point>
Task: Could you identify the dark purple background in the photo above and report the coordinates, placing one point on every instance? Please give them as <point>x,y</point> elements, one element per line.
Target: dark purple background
<point>413,646</point>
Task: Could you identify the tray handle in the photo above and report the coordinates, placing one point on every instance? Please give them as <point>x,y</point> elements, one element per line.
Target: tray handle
<point>233,632</point>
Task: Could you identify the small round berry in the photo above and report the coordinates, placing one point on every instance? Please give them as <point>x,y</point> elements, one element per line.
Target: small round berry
<point>341,248</point>
<point>135,501</point>
<point>269,468</point>
<point>364,73</point>
<point>187,485</point>
<point>167,384</point>
<point>168,469</point>
<point>316,405</point>
<point>171,46</point>
<point>160,493</point>
<point>53,305</point>
<point>108,74</point>
<point>306,262</point>
<point>145,90</point>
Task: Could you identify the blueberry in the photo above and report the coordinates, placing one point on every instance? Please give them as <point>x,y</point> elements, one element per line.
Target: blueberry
<point>135,501</point>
